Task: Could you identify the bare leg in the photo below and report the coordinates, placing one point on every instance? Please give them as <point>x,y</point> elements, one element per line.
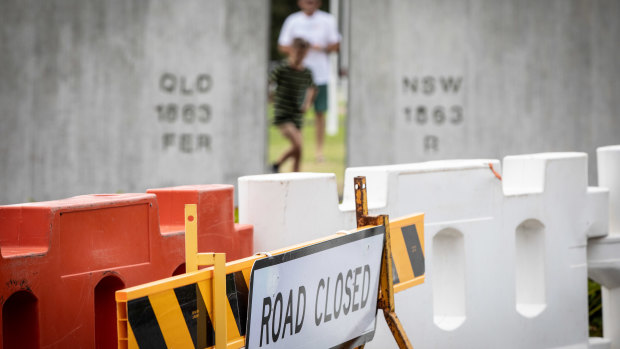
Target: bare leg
<point>320,135</point>
<point>290,131</point>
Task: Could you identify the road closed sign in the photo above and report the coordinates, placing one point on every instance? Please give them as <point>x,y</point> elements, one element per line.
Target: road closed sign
<point>320,296</point>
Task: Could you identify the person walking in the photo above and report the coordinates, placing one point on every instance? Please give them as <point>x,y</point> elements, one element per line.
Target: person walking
<point>319,29</point>
<point>293,96</point>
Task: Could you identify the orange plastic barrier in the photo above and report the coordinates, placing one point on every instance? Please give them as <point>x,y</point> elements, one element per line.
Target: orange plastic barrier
<point>61,261</point>
<point>217,231</point>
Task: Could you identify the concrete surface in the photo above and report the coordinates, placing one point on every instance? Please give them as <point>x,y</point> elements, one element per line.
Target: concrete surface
<point>121,96</point>
<point>481,78</point>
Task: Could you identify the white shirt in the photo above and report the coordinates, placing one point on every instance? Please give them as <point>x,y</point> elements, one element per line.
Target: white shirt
<point>318,29</point>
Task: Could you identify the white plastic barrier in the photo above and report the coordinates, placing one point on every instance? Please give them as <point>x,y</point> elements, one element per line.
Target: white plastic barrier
<point>506,260</point>
<point>604,253</point>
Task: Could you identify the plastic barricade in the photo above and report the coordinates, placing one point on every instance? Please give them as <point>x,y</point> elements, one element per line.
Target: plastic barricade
<point>61,261</point>
<point>505,243</point>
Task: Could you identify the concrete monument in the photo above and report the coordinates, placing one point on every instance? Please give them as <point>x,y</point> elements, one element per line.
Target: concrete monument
<point>100,97</point>
<point>479,79</point>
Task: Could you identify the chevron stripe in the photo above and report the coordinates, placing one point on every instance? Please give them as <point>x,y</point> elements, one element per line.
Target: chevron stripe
<point>143,324</point>
<point>400,256</point>
<point>131,338</point>
<point>170,319</point>
<point>414,250</point>
<point>237,292</point>
<point>407,251</point>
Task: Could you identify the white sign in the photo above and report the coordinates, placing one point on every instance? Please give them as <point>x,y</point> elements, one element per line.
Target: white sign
<point>320,296</point>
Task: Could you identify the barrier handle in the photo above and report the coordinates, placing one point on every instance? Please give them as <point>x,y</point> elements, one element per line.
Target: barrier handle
<point>385,300</point>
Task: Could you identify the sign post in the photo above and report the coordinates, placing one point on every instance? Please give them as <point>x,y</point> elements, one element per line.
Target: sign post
<point>386,292</point>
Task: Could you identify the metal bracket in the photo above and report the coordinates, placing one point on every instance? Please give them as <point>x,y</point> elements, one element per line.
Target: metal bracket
<point>386,285</point>
<point>193,259</point>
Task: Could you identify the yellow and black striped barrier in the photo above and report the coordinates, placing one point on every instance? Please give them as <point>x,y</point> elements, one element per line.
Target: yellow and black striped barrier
<point>407,251</point>
<point>177,312</point>
<point>181,311</point>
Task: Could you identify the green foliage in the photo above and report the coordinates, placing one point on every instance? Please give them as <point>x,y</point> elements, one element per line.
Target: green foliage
<point>595,309</point>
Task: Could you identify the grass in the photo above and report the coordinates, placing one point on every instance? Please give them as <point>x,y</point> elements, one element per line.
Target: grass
<point>333,149</point>
<point>595,309</point>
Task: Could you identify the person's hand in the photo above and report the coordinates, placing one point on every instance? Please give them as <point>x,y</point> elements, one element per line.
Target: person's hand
<point>318,48</point>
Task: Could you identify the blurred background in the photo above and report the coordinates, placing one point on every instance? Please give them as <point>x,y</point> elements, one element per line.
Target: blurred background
<point>107,97</point>
<point>100,97</point>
